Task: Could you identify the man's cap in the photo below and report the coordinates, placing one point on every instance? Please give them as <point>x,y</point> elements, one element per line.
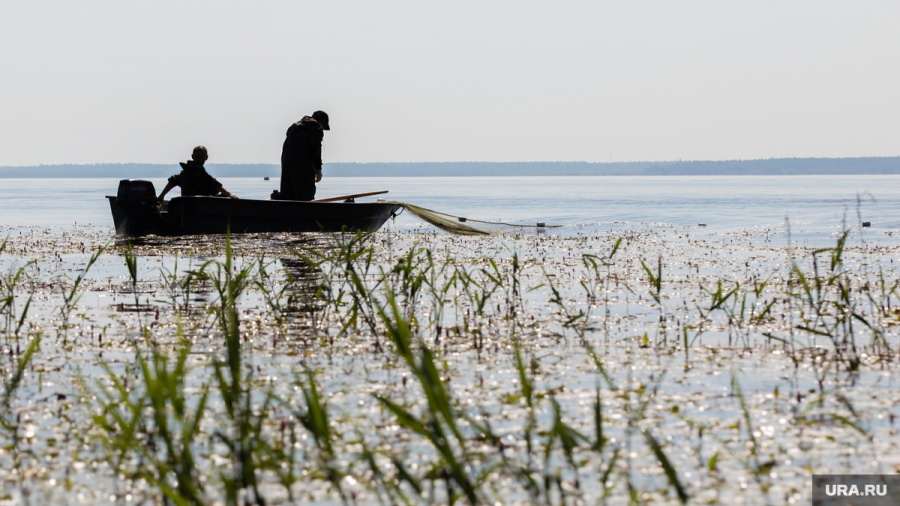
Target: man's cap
<point>322,118</point>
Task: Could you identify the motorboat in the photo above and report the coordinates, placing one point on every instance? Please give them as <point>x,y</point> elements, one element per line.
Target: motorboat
<point>136,213</point>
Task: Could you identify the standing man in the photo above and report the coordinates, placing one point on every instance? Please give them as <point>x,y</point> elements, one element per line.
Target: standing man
<point>301,158</point>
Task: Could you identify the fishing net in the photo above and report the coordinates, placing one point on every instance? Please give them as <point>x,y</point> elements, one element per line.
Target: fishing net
<point>466,226</point>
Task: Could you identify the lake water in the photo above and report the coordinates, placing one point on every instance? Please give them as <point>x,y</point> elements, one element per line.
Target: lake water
<point>815,206</point>
<point>725,362</point>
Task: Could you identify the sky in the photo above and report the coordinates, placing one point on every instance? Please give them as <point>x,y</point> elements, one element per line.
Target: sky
<point>112,81</point>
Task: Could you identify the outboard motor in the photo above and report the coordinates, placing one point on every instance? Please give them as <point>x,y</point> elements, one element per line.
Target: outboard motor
<point>136,193</point>
<point>134,208</point>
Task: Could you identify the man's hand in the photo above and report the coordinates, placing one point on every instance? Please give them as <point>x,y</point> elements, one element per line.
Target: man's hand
<point>318,175</point>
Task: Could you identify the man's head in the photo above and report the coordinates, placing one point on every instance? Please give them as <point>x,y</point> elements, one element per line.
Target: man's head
<point>200,154</point>
<point>322,118</point>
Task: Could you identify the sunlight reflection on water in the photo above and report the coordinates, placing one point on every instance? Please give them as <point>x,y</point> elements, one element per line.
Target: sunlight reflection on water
<point>811,204</point>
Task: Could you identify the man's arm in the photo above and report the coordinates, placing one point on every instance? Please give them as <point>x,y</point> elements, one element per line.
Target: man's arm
<point>225,193</point>
<point>169,186</point>
<point>318,155</point>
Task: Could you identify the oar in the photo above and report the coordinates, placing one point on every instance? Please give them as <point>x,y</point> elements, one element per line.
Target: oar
<point>350,197</point>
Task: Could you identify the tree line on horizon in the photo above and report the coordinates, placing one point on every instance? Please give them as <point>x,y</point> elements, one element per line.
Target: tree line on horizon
<point>773,166</point>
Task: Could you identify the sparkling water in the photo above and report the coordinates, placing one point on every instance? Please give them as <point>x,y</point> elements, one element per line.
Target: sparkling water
<point>807,205</point>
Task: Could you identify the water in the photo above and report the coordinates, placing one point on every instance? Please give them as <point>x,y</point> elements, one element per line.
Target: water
<point>805,409</point>
<point>815,206</point>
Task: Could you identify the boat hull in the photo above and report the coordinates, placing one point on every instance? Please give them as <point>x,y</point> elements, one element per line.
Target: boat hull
<point>218,215</point>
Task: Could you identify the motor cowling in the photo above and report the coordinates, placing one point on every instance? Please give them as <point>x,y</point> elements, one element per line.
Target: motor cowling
<point>136,193</point>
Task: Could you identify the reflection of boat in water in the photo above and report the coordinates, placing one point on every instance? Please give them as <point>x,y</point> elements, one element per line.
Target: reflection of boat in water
<point>303,285</point>
<point>302,297</point>
<point>135,213</point>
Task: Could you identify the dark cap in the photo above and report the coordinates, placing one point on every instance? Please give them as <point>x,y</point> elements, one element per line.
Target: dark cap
<point>322,118</point>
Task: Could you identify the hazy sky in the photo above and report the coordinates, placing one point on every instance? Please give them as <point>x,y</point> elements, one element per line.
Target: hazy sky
<point>94,81</point>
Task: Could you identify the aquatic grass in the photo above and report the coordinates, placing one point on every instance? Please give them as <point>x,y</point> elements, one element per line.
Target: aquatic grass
<point>493,279</point>
<point>306,295</point>
<point>71,294</point>
<point>242,435</point>
<point>594,281</point>
<point>814,413</point>
<point>315,420</point>
<point>655,280</point>
<point>668,468</point>
<point>131,263</point>
<point>242,438</point>
<point>388,489</point>
<point>179,288</point>
<point>354,261</point>
<point>719,299</point>
<point>828,308</point>
<point>758,468</point>
<point>297,303</point>
<point>240,431</point>
<point>739,309</point>
<point>733,302</point>
<point>636,401</point>
<point>13,379</point>
<point>273,296</point>
<point>880,293</point>
<point>439,286</point>
<point>229,284</point>
<point>439,427</point>
<point>280,457</point>
<point>407,280</point>
<point>569,440</point>
<point>747,450</point>
<point>542,481</point>
<point>477,306</point>
<point>527,393</point>
<point>10,425</point>
<point>482,289</point>
<point>603,412</point>
<point>576,320</point>
<point>150,430</point>
<point>600,444</point>
<point>13,320</point>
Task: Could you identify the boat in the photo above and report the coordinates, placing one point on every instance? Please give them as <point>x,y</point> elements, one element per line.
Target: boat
<point>136,213</point>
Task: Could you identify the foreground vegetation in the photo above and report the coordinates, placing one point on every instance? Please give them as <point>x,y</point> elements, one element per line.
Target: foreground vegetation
<point>643,366</point>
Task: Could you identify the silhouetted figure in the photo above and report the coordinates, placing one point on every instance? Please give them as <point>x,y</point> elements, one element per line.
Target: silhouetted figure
<point>301,158</point>
<point>194,180</point>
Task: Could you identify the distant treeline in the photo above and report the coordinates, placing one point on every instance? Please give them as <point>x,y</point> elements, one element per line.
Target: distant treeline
<point>773,166</point>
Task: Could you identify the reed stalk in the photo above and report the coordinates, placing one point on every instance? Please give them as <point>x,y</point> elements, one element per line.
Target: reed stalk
<point>242,435</point>
<point>150,430</point>
<point>71,294</point>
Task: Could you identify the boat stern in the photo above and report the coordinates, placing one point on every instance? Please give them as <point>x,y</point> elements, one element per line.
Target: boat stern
<point>134,208</point>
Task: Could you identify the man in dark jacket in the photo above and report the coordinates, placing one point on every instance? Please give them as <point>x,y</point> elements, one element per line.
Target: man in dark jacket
<point>194,180</point>
<point>301,158</point>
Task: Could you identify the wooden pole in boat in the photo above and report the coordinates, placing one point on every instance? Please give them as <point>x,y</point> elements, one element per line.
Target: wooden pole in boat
<point>350,197</point>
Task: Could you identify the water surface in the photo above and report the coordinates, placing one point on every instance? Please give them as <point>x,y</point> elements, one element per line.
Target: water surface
<point>812,204</point>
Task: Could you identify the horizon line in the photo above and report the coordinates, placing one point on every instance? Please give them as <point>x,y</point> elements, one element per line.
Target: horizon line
<point>730,160</point>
